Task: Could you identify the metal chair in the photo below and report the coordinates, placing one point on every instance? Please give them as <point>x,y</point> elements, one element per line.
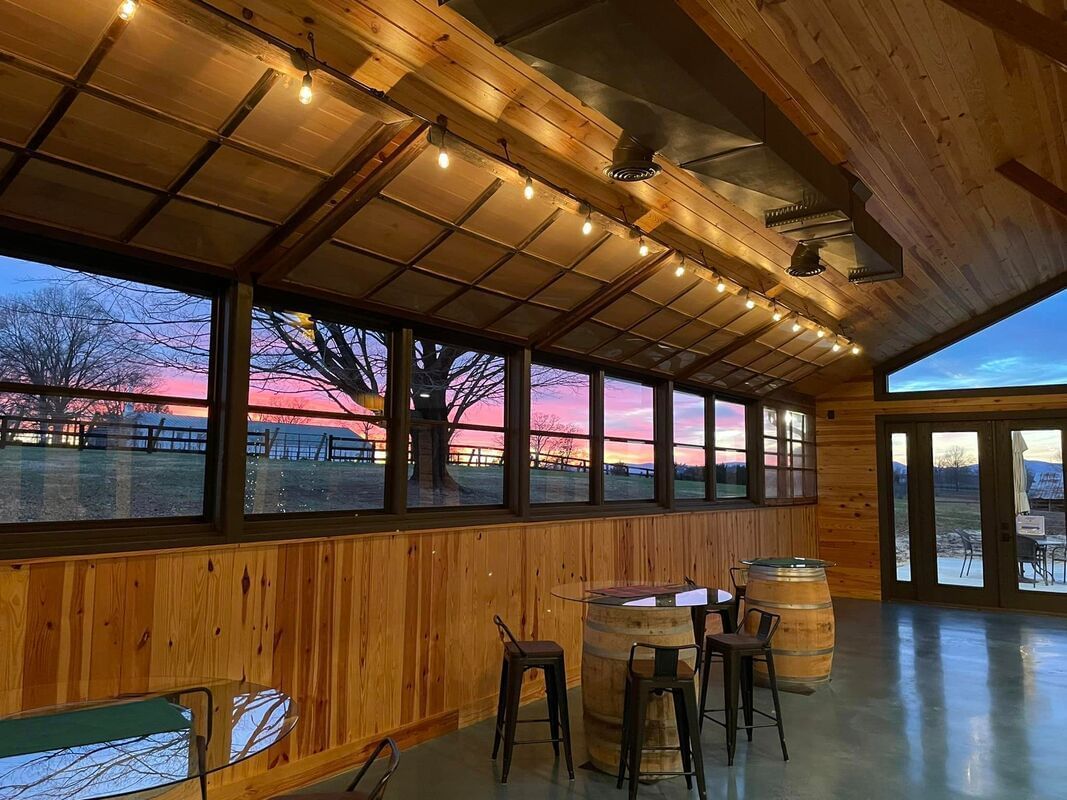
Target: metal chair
<point>700,617</point>
<point>971,546</point>
<point>739,651</point>
<point>739,578</point>
<point>1029,551</point>
<point>518,658</point>
<point>664,673</point>
<point>377,792</point>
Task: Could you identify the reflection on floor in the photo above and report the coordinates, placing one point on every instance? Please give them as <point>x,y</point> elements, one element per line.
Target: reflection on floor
<point>949,569</point>
<point>926,702</point>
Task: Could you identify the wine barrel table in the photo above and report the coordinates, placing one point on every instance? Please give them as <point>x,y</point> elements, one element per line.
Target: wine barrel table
<point>618,614</point>
<point>796,590</point>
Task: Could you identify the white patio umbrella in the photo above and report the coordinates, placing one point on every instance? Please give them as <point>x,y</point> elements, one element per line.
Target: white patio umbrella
<point>1018,460</point>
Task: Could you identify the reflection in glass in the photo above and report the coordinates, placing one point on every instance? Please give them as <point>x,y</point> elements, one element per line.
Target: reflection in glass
<point>689,473</point>
<point>957,508</point>
<point>901,523</point>
<point>629,471</point>
<point>1037,476</point>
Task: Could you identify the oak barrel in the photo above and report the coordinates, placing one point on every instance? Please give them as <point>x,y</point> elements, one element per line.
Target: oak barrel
<point>804,644</point>
<point>609,633</point>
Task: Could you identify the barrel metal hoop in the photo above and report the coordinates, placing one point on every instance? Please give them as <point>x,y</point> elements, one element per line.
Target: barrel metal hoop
<point>753,602</point>
<point>825,651</point>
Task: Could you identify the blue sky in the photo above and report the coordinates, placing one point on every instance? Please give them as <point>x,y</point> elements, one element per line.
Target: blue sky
<point>1028,348</point>
<point>17,277</point>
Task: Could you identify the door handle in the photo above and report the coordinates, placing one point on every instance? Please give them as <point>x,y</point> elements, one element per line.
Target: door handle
<point>1005,532</point>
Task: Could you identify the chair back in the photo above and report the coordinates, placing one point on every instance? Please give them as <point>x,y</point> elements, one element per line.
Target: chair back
<point>768,624</point>
<point>665,658</point>
<point>968,540</point>
<point>1025,548</point>
<point>378,792</point>
<point>739,578</point>
<point>505,633</point>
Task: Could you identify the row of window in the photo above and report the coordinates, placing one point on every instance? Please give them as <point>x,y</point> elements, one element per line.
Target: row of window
<point>106,413</point>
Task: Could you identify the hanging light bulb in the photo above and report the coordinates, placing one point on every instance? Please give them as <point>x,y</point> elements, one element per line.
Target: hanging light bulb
<point>777,315</point>
<point>837,347</point>
<point>305,89</point>
<point>587,226</point>
<point>749,302</point>
<point>679,271</point>
<point>720,284</point>
<point>820,333</point>
<point>642,248</point>
<point>442,153</point>
<point>796,325</point>
<point>527,190</point>
<point>855,349</point>
<point>127,10</point>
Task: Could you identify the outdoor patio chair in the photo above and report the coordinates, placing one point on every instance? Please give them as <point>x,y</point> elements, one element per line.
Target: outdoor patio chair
<point>1029,551</point>
<point>972,545</point>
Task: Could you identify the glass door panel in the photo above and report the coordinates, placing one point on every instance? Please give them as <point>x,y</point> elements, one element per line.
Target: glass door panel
<point>898,446</point>
<point>1038,535</point>
<point>957,505</point>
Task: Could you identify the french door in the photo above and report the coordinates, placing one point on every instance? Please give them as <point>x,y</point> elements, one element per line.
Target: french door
<point>972,511</point>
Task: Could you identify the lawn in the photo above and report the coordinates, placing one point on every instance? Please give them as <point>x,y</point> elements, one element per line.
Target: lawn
<point>52,484</point>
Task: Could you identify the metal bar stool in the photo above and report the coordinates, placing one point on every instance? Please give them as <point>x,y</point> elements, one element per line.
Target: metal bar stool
<point>739,578</point>
<point>377,791</point>
<point>700,617</point>
<point>739,651</point>
<point>518,658</point>
<point>664,672</point>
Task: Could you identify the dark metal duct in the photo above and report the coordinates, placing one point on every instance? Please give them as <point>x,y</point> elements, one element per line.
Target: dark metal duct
<point>631,161</point>
<point>805,262</point>
<point>648,67</point>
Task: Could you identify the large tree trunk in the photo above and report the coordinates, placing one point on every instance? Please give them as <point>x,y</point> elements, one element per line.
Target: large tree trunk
<point>430,482</point>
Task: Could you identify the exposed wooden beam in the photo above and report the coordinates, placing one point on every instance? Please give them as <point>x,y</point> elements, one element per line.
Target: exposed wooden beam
<point>724,351</point>
<point>569,320</point>
<point>1040,187</point>
<point>1018,21</point>
<point>325,228</point>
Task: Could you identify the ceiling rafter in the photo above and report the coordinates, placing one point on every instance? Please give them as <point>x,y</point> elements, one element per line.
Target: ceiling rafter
<point>361,194</point>
<point>1028,27</point>
<point>1037,185</point>
<point>724,351</point>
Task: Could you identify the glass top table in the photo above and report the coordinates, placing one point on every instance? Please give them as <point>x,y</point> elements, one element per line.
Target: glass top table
<point>642,595</point>
<point>789,562</point>
<point>105,744</point>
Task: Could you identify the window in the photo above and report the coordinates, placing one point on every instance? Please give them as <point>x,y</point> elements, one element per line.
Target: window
<point>1013,352</point>
<point>629,451</point>
<point>788,454</point>
<point>690,454</point>
<point>103,397</point>
<point>559,435</point>
<point>731,454</point>
<point>456,455</point>
<point>317,422</point>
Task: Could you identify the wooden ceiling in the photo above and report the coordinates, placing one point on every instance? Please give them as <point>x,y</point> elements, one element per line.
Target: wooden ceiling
<point>176,135</point>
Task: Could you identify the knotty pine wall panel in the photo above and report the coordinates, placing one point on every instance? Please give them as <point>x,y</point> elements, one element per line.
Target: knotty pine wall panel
<point>848,474</point>
<point>373,634</point>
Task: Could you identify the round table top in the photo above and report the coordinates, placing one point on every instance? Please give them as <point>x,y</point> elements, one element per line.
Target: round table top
<point>638,595</point>
<point>789,562</point>
<point>109,744</point>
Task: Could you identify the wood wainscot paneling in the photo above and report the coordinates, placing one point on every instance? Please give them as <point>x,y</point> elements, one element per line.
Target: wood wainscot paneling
<point>373,634</point>
<point>848,473</point>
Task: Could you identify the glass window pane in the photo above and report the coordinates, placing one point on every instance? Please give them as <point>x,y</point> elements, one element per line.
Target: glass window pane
<point>731,474</point>
<point>451,466</point>
<point>770,452</point>
<point>770,422</point>
<point>901,519</point>
<point>628,409</point>
<point>689,473</point>
<point>796,425</point>
<point>688,419</point>
<point>59,327</point>
<point>306,464</point>
<point>559,469</point>
<point>957,508</point>
<point>456,384</point>
<point>770,480</point>
<point>559,400</point>
<point>729,425</point>
<point>99,460</point>
<point>629,471</point>
<point>1037,473</point>
<point>305,363</point>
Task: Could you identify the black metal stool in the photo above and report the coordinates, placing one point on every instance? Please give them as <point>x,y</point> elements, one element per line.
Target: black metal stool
<point>664,672</point>
<point>739,578</point>
<point>518,658</point>
<point>700,617</point>
<point>739,651</point>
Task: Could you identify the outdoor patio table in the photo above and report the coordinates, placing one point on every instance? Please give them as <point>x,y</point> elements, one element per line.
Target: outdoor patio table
<point>619,613</point>
<point>89,740</point>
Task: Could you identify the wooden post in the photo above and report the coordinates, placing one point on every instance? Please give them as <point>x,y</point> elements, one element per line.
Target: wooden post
<point>3,432</point>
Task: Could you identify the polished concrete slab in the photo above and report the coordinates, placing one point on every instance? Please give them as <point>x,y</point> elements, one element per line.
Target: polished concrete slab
<point>925,702</point>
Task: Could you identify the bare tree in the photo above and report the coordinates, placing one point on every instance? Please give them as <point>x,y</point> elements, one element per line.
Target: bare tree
<point>953,459</point>
<point>61,336</point>
<point>551,440</point>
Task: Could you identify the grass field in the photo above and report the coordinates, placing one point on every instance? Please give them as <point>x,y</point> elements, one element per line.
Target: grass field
<point>53,484</point>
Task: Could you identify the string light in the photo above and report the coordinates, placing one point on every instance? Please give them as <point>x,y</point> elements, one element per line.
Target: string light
<point>837,347</point>
<point>855,349</point>
<point>720,284</point>
<point>679,271</point>
<point>642,247</point>
<point>305,89</point>
<point>749,302</point>
<point>796,325</point>
<point>777,315</point>
<point>127,10</point>
<point>587,226</point>
<point>442,153</point>
<point>820,333</point>
<point>528,190</point>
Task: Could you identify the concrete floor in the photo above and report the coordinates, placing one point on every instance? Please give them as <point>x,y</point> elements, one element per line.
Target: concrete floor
<point>926,702</point>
